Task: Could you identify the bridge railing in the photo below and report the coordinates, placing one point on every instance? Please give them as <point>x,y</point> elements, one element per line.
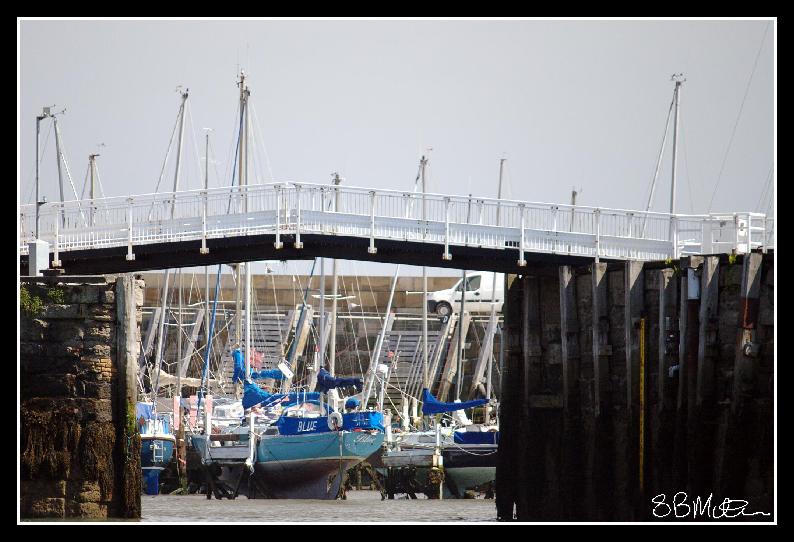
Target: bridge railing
<point>296,208</point>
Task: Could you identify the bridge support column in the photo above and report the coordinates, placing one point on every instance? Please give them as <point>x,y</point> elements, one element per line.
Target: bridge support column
<point>371,249</point>
<point>130,255</point>
<point>39,257</point>
<point>278,244</point>
<point>204,249</point>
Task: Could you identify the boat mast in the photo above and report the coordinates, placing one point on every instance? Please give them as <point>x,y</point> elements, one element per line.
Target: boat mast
<point>371,371</point>
<point>45,113</point>
<point>58,156</point>
<point>488,385</point>
<point>318,357</point>
<point>425,383</point>
<point>244,93</point>
<point>92,193</point>
<point>464,287</point>
<point>206,268</point>
<point>678,79</point>
<point>334,292</point>
<point>159,351</point>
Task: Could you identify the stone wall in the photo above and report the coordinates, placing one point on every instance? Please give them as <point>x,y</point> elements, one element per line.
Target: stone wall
<point>79,450</point>
<point>596,431</point>
<point>371,293</point>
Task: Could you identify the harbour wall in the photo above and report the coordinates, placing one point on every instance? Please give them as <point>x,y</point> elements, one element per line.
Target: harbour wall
<point>626,384</point>
<point>79,447</point>
<point>369,293</point>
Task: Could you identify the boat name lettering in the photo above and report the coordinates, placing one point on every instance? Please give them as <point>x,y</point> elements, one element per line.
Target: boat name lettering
<point>307,426</point>
<point>368,439</point>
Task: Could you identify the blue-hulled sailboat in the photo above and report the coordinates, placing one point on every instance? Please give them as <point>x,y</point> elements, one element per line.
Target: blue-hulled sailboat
<point>157,445</point>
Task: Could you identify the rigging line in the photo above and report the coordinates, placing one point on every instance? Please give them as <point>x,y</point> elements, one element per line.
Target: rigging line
<point>195,143</point>
<point>262,140</point>
<point>69,175</point>
<point>101,190</point>
<point>230,166</point>
<point>257,167</point>
<point>741,107</point>
<point>214,164</point>
<point>167,154</point>
<point>658,163</point>
<point>770,197</point>
<point>686,169</point>
<point>354,333</point>
<point>33,172</point>
<point>762,198</point>
<point>361,306</point>
<point>85,181</point>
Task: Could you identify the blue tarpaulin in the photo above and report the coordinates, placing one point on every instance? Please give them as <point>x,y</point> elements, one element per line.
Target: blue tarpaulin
<point>145,410</point>
<point>476,437</point>
<point>431,405</point>
<point>327,382</point>
<point>239,366</point>
<point>253,396</point>
<point>267,373</point>
<point>239,370</point>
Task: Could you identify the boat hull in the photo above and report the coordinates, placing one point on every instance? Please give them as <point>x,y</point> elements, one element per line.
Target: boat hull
<point>151,456</point>
<point>469,466</point>
<point>309,466</point>
<point>157,451</point>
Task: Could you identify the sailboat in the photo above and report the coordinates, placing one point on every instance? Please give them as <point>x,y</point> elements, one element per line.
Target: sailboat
<point>157,445</point>
<point>291,444</point>
<point>452,453</point>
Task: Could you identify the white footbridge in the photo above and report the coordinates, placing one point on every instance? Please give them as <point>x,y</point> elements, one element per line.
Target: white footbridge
<point>294,209</point>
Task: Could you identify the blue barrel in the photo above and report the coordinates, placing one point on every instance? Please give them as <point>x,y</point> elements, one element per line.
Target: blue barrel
<point>151,481</point>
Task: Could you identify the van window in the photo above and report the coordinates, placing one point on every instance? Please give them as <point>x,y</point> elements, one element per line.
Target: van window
<point>473,283</point>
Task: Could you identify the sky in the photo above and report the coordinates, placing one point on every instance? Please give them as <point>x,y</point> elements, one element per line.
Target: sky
<point>568,103</point>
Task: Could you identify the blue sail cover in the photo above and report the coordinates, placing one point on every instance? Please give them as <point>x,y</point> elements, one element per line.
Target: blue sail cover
<point>239,366</point>
<point>253,395</point>
<point>239,370</point>
<point>327,382</point>
<point>267,373</point>
<point>431,405</point>
<point>143,410</point>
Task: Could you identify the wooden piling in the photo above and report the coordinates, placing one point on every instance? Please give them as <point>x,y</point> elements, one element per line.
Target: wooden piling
<point>633,310</point>
<point>573,461</point>
<point>663,425</point>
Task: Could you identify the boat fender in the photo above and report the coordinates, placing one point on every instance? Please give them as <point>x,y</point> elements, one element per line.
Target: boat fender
<point>335,421</point>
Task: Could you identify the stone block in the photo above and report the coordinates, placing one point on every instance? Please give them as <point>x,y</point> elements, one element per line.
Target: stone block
<point>32,329</point>
<point>65,331</point>
<point>57,312</point>
<point>108,297</point>
<point>100,349</point>
<point>31,350</point>
<point>101,313</point>
<point>92,510</point>
<point>48,508</point>
<point>89,492</point>
<point>96,331</point>
<point>84,293</point>
<point>94,390</point>
<point>42,488</point>
<point>48,385</point>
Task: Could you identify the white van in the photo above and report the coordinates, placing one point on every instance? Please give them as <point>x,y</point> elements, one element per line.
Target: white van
<point>480,292</point>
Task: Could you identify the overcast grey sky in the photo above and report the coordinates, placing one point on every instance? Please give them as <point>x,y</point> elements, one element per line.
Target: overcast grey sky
<point>568,103</point>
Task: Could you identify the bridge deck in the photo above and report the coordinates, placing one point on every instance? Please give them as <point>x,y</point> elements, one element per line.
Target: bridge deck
<point>301,221</point>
